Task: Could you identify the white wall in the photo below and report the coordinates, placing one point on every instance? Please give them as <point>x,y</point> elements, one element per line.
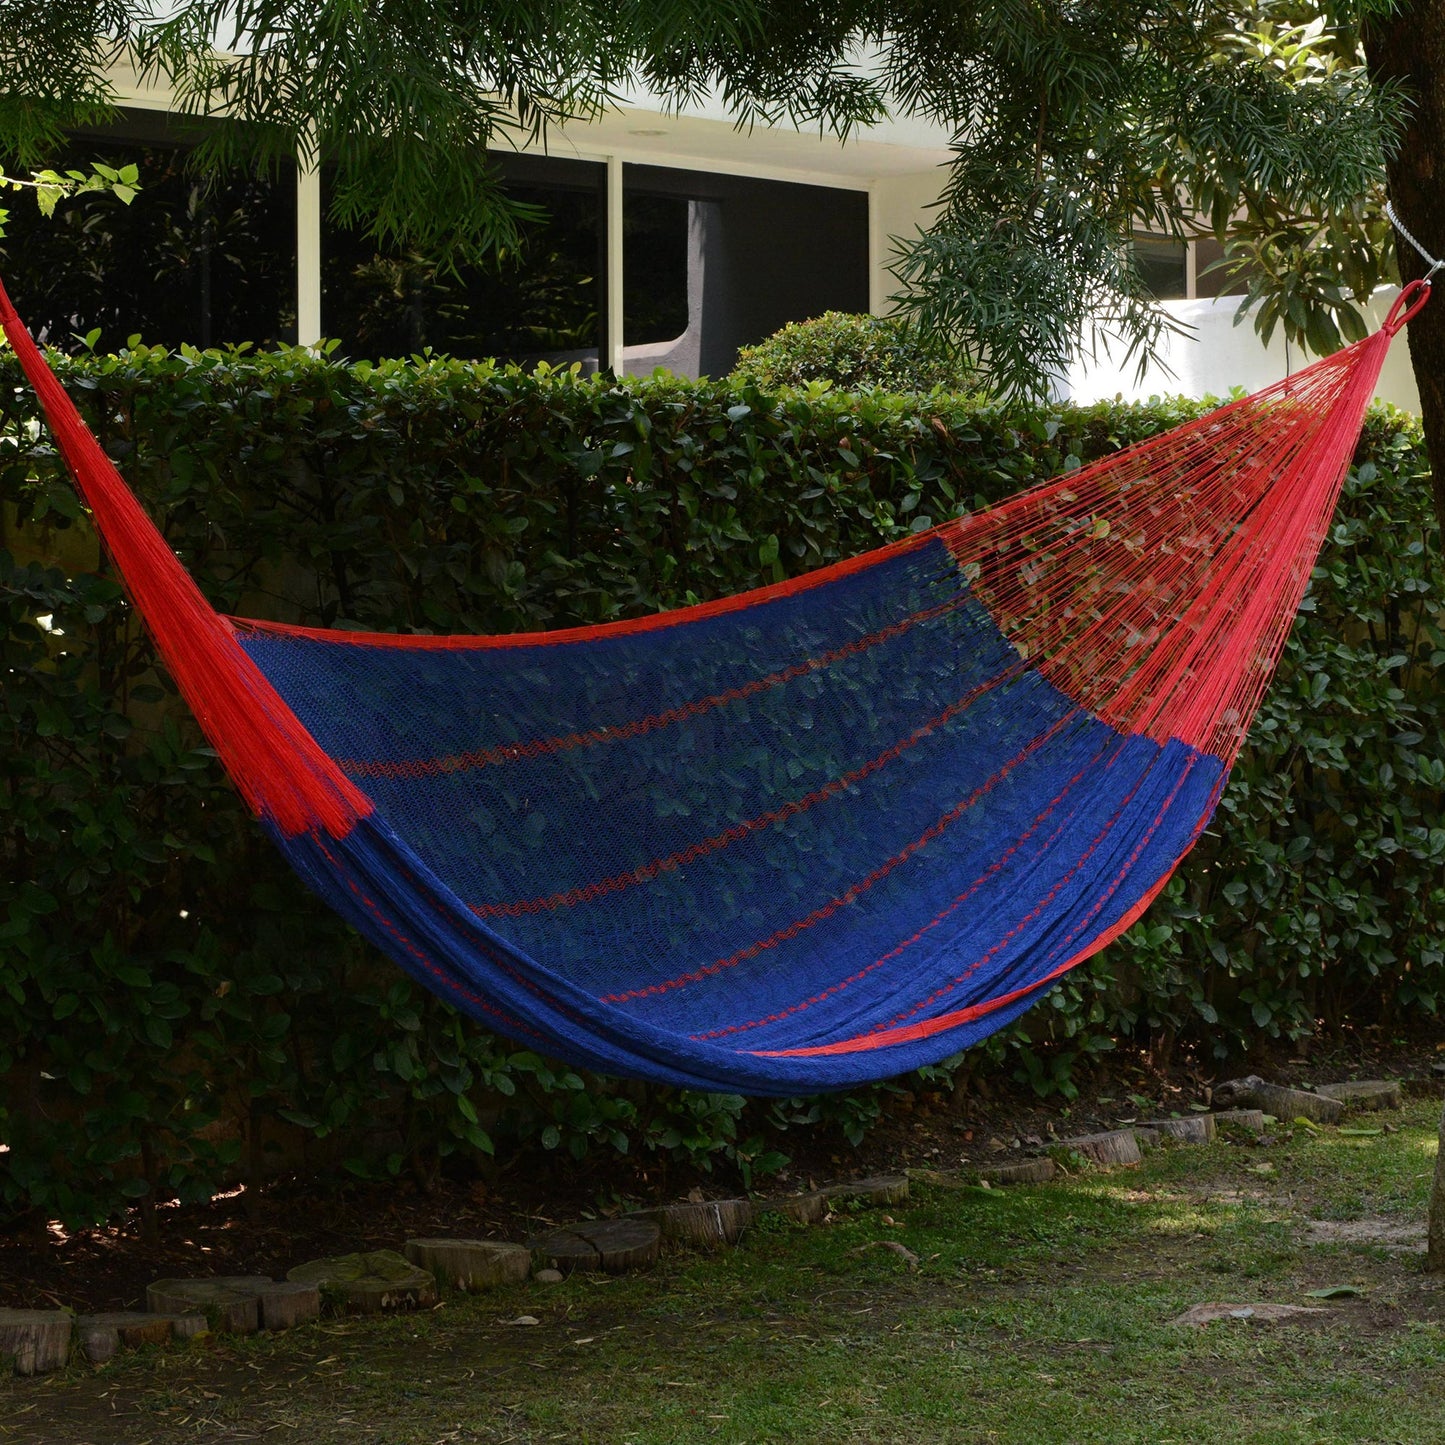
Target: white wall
<point>1216,356</point>
<point>898,206</point>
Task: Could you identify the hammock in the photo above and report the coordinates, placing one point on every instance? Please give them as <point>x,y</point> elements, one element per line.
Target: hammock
<point>817,834</point>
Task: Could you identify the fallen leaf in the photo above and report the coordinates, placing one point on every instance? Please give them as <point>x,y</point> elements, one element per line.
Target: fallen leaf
<point>523,1320</point>
<point>1336,1291</point>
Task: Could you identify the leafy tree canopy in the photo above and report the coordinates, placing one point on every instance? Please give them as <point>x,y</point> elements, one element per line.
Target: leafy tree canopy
<point>1074,127</point>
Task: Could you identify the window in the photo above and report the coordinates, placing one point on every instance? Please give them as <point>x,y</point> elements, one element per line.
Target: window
<point>655,267</point>
<point>186,261</point>
<point>1163,265</point>
<point>541,301</point>
<point>754,254</point>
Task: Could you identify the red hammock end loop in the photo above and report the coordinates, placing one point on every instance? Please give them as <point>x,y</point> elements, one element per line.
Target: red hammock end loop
<point>1408,303</point>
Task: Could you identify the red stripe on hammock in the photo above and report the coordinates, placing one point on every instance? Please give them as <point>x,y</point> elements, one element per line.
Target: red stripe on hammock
<point>500,753</point>
<point>587,892</point>
<point>819,915</point>
<point>886,1036</point>
<point>653,622</point>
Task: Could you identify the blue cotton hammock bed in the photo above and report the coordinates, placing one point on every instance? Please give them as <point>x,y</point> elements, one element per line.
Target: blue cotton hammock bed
<point>814,835</point>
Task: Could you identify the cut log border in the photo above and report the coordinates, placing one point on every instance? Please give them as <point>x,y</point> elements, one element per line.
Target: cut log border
<point>32,1341</point>
<point>608,1246</point>
<point>35,1341</point>
<point>706,1224</point>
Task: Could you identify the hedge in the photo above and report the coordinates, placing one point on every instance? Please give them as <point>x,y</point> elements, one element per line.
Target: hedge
<point>854,353</point>
<point>179,1013</point>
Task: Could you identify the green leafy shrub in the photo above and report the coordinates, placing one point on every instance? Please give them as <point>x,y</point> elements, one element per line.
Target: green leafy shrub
<point>177,1010</point>
<point>854,353</point>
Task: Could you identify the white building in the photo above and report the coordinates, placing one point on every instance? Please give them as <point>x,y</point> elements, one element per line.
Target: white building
<point>686,238</point>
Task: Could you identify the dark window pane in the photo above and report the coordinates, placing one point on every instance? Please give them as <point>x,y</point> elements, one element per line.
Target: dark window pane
<point>654,270</point>
<point>1163,265</point>
<point>186,261</point>
<point>758,254</point>
<point>540,301</point>
<point>1209,281</point>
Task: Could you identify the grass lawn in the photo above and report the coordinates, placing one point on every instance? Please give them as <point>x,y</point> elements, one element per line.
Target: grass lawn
<point>1034,1315</point>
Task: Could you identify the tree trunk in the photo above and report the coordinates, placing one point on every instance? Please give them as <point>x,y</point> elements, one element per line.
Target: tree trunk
<point>1407,47</point>
<point>1435,1243</point>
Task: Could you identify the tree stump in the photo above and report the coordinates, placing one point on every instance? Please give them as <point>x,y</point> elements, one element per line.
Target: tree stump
<point>230,1303</point>
<point>1117,1146</point>
<point>1286,1104</point>
<point>35,1340</point>
<point>288,1303</point>
<point>809,1208</point>
<point>471,1264</point>
<point>366,1284</point>
<point>711,1224</point>
<point>1238,1120</point>
<point>876,1193</point>
<point>1023,1171</point>
<point>1145,1136</point>
<point>1233,1093</point>
<point>98,1342</point>
<point>1194,1129</point>
<point>1364,1094</point>
<point>101,1335</point>
<point>608,1246</point>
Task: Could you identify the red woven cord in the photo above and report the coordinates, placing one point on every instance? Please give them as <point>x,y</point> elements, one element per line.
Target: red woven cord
<point>561,636</point>
<point>1158,586</point>
<point>273,760</point>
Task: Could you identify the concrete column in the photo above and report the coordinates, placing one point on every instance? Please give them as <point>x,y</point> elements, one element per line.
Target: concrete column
<point>898,207</point>
<point>613,330</point>
<point>877,276</point>
<point>308,253</point>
